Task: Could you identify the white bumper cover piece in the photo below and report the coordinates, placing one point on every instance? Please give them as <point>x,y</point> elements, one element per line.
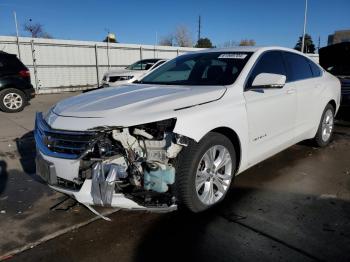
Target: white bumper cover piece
<point>68,169</point>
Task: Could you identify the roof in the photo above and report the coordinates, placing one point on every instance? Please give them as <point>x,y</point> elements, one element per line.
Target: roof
<point>4,53</point>
<point>248,49</point>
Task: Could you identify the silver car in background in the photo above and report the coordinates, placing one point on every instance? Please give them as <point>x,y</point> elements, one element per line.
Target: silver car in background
<point>131,73</point>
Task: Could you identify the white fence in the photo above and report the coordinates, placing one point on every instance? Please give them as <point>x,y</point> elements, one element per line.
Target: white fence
<point>64,64</point>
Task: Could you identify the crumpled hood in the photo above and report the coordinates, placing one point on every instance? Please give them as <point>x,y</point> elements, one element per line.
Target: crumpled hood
<point>136,101</point>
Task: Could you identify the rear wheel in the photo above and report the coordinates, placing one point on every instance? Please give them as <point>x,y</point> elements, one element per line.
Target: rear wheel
<point>12,100</point>
<point>325,129</point>
<point>204,172</point>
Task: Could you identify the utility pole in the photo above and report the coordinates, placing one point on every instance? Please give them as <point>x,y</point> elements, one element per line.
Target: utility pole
<point>199,27</point>
<point>109,65</point>
<point>319,44</point>
<point>17,35</point>
<point>304,31</point>
<point>155,44</point>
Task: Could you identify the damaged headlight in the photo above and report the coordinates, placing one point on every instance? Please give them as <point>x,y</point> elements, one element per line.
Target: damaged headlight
<point>157,129</point>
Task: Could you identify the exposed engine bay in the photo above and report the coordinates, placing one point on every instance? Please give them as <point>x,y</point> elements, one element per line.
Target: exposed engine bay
<point>137,161</point>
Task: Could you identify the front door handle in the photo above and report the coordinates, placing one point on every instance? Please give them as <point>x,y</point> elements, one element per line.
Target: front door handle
<point>291,91</point>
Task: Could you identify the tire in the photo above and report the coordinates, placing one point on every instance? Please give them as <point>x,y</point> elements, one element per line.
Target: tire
<point>325,129</point>
<point>195,158</point>
<point>12,100</point>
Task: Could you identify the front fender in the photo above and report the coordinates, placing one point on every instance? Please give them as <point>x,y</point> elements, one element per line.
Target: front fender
<point>197,121</point>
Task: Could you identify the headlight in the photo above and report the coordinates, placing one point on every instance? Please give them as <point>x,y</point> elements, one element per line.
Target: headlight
<point>157,129</point>
<point>124,78</point>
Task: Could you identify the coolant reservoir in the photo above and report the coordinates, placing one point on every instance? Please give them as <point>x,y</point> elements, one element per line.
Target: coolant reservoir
<point>158,180</point>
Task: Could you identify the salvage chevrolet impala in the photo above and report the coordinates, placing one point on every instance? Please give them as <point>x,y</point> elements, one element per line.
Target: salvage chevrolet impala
<point>180,135</point>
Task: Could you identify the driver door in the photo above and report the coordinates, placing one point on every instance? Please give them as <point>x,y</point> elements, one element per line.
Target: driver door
<point>271,112</point>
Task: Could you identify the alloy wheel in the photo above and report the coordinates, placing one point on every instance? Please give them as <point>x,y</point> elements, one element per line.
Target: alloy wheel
<point>214,175</point>
<point>327,125</point>
<point>13,101</point>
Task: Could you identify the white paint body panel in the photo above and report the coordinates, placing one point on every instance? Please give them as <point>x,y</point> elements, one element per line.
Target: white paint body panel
<point>265,123</point>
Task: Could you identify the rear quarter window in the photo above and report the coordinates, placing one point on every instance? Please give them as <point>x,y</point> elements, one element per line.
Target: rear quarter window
<point>316,71</point>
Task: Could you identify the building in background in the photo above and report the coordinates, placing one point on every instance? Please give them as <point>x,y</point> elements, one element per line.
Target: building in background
<point>340,36</point>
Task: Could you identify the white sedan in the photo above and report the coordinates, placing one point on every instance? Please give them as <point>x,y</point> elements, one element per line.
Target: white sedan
<point>184,131</point>
<point>131,73</point>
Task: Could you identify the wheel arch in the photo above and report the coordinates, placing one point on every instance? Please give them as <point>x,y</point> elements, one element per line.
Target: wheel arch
<point>234,138</point>
<point>334,104</point>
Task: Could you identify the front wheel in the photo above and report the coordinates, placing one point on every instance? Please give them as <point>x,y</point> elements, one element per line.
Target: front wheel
<point>325,129</point>
<point>204,172</point>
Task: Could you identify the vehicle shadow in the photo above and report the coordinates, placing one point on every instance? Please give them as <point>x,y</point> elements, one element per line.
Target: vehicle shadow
<point>252,225</point>
<point>3,176</point>
<point>27,152</point>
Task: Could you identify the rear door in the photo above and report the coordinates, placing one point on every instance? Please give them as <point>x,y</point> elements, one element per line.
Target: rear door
<point>307,85</point>
<point>271,112</point>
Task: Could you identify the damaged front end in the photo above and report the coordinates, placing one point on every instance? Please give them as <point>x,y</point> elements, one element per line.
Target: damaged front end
<point>127,167</point>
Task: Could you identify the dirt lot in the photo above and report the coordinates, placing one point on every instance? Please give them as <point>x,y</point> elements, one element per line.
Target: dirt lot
<point>292,207</point>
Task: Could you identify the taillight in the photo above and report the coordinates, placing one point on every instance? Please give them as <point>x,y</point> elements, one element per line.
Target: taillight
<point>24,73</point>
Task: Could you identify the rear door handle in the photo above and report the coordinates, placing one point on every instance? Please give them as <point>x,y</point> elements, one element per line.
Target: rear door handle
<point>291,91</point>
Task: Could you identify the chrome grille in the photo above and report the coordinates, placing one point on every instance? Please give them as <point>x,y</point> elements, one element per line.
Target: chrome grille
<point>61,143</point>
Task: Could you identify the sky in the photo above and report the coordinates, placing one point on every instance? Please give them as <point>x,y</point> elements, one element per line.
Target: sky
<point>268,22</point>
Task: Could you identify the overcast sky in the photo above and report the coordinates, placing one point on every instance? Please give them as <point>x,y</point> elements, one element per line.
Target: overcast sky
<point>268,22</point>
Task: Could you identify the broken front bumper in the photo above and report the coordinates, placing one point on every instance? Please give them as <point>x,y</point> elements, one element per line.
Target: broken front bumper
<point>61,170</point>
<point>58,172</point>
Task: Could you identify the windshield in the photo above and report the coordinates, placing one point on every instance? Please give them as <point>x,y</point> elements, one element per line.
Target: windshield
<point>142,64</point>
<point>214,68</point>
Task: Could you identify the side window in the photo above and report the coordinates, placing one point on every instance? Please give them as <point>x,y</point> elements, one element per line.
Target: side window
<point>270,62</point>
<point>316,71</point>
<point>298,67</point>
<point>178,72</point>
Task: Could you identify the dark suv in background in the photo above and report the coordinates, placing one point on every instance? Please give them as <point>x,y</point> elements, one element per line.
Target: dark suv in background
<point>15,86</point>
<point>336,60</point>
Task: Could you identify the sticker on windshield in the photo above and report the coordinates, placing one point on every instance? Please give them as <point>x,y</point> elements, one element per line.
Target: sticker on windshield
<point>233,56</point>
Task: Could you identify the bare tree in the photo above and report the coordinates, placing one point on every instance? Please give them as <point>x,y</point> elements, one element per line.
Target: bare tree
<point>183,36</point>
<point>167,40</point>
<point>247,42</point>
<point>36,30</point>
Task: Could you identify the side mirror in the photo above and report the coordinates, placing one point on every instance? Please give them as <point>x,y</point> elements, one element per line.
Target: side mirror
<point>267,80</point>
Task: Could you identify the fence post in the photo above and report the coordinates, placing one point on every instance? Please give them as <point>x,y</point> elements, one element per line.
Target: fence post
<point>97,70</point>
<point>34,66</point>
<point>18,49</point>
<point>17,36</point>
<point>109,65</point>
<point>140,52</point>
<point>177,52</point>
